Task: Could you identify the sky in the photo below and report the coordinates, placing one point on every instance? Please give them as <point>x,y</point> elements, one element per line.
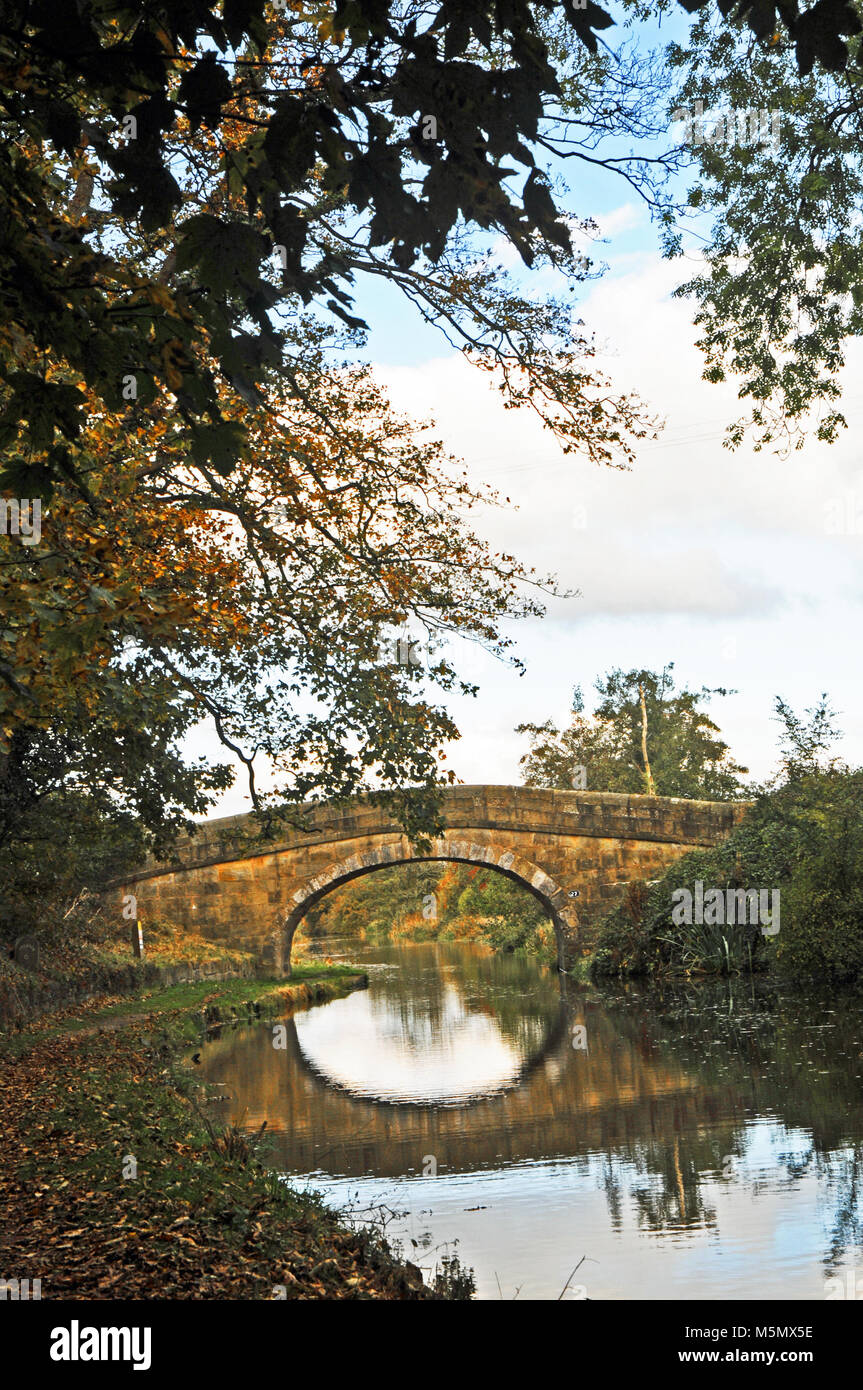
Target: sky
<point>741,568</point>
<point>729,564</point>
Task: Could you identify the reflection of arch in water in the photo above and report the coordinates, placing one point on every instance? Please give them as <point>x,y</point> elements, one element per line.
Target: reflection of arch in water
<point>624,1095</point>
<point>319,1077</point>
<point>646,1121</point>
<point>559,904</point>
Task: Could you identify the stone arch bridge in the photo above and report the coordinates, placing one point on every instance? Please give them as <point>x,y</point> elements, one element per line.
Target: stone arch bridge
<point>575,851</point>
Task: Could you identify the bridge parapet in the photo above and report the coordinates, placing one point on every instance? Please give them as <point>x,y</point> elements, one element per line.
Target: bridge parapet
<point>603,815</point>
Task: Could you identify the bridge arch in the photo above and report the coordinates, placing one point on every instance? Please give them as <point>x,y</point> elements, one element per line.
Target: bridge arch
<point>559,903</point>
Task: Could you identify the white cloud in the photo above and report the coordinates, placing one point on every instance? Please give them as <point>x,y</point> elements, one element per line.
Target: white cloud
<point>617,222</point>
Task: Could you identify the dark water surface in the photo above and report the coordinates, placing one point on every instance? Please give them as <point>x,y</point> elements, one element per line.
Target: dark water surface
<point>699,1142</point>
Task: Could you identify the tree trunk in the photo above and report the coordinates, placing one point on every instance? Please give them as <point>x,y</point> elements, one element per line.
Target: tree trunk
<point>648,775</point>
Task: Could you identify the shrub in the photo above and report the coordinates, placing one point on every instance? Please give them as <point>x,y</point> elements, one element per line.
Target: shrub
<point>804,838</point>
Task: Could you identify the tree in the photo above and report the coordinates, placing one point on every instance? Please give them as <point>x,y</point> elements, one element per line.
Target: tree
<point>781,289</point>
<point>809,828</point>
<point>509,916</point>
<point>259,602</point>
<point>188,192</point>
<point>588,753</point>
<point>78,807</point>
<point>264,155</point>
<point>801,841</point>
<point>642,737</point>
<point>177,178</point>
<point>804,743</point>
<point>235,516</point>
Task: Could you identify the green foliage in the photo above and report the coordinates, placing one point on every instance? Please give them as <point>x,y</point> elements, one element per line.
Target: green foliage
<point>812,825</point>
<point>804,837</point>
<point>314,125</point>
<point>509,917</point>
<point>316,148</point>
<point>432,901</point>
<point>77,807</point>
<point>686,756</point>
<point>781,290</point>
<point>452,1279</point>
<point>387,895</point>
<point>639,937</point>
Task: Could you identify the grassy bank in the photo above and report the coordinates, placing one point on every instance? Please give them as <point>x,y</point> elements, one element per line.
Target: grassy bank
<point>77,966</point>
<point>118,1185</point>
<point>184,1010</point>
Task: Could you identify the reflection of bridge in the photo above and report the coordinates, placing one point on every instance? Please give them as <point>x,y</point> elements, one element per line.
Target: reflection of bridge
<point>619,1095</point>
<point>669,1086</point>
<point>575,851</point>
<point>555,1035</point>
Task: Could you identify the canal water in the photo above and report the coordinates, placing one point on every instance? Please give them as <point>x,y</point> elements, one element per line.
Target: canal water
<point>566,1142</point>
